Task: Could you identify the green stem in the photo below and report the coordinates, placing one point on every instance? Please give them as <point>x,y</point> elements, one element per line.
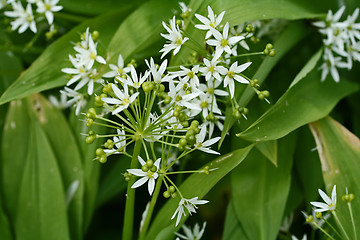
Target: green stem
<point>340,225</point>
<point>130,196</point>
<point>154,198</point>
<point>352,220</point>
<point>321,229</point>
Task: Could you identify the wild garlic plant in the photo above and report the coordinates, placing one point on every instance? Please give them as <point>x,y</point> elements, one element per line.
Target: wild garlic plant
<point>165,110</point>
<point>318,220</point>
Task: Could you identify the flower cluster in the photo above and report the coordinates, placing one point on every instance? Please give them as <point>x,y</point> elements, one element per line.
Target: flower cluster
<point>24,18</point>
<point>83,72</point>
<point>342,42</point>
<point>169,111</point>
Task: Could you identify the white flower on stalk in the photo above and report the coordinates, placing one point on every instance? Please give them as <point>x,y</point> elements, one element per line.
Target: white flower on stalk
<point>76,99</point>
<point>181,98</point>
<point>62,103</point>
<point>189,204</point>
<point>174,36</point>
<point>119,142</point>
<point>24,18</point>
<point>330,203</point>
<point>330,18</point>
<point>148,176</point>
<point>211,124</point>
<point>231,74</point>
<point>117,70</point>
<point>207,104</point>
<point>222,42</point>
<point>134,80</point>
<point>211,88</point>
<point>331,64</point>
<point>195,234</point>
<point>209,23</point>
<point>352,28</point>
<point>89,55</point>
<point>316,222</point>
<point>187,75</point>
<point>48,7</point>
<point>211,69</point>
<point>122,100</point>
<point>204,146</point>
<point>158,72</point>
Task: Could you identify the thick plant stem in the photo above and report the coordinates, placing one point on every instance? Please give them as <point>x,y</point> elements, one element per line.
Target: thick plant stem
<point>130,196</point>
<point>154,198</point>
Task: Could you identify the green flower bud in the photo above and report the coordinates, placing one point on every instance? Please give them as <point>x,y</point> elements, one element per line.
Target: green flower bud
<point>166,194</point>
<point>150,163</point>
<point>190,132</point>
<point>173,195</point>
<point>89,122</point>
<point>318,215</point>
<point>102,159</point>
<point>167,100</point>
<point>236,114</point>
<point>171,189</point>
<point>182,142</point>
<point>95,35</point>
<point>272,53</point>
<point>99,152</point>
<point>144,168</point>
<point>90,139</point>
<point>191,139</point>
<point>154,168</point>
<point>195,123</point>
<point>185,124</point>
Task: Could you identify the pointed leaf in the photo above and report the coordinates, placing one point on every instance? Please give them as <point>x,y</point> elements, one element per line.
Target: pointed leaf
<point>260,191</point>
<point>307,101</point>
<point>41,197</point>
<point>269,149</point>
<point>232,227</point>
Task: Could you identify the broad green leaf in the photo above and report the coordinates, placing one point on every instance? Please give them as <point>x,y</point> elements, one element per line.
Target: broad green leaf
<point>309,66</point>
<point>91,168</point>
<point>307,101</point>
<point>260,191</point>
<point>307,165</point>
<point>67,154</point>
<point>141,29</point>
<point>269,149</point>
<point>45,73</point>
<point>190,189</point>
<point>287,40</point>
<point>232,227</point>
<point>250,10</point>
<point>5,231</point>
<point>14,150</point>
<point>339,152</point>
<point>95,7</point>
<point>41,208</point>
<point>114,181</point>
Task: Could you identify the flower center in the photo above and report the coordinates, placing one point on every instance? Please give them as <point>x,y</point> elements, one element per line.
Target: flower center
<point>224,42</point>
<point>120,71</point>
<point>211,91</point>
<point>93,56</point>
<point>230,74</point>
<point>178,41</point>
<point>212,24</point>
<point>204,104</point>
<point>190,74</point>
<point>126,101</point>
<point>211,69</point>
<point>47,7</point>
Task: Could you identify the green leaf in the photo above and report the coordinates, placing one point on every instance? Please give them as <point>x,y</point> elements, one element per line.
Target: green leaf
<point>91,168</point>
<point>45,73</point>
<point>232,227</point>
<point>250,10</point>
<point>269,149</point>
<point>141,29</point>
<point>307,101</point>
<point>114,182</point>
<point>41,208</point>
<point>309,66</point>
<point>260,191</point>
<point>339,152</point>
<point>95,7</point>
<point>287,40</point>
<point>5,230</point>
<point>223,165</point>
<point>14,150</point>
<point>67,154</point>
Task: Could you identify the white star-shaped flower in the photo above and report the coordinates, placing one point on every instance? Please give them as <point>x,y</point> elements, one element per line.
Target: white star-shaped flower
<point>330,203</point>
<point>211,69</point>
<point>222,42</point>
<point>119,142</point>
<point>122,100</point>
<point>134,80</point>
<point>195,234</point>
<point>24,18</point>
<point>174,36</point>
<point>204,146</point>
<point>48,7</point>
<point>231,74</point>
<point>209,23</point>
<point>117,70</point>
<point>147,176</point>
<point>189,204</point>
<point>89,56</point>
